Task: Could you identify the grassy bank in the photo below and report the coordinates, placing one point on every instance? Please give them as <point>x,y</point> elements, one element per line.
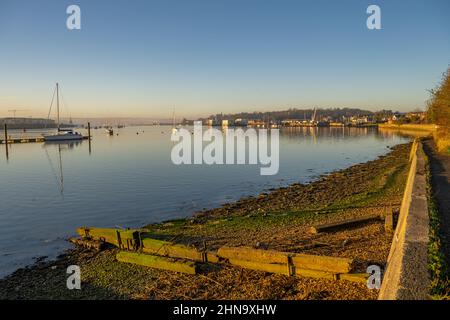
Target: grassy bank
<point>430,128</point>
<point>442,140</point>
<point>279,219</point>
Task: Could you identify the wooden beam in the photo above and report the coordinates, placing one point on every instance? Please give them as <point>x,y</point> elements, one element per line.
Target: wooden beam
<point>389,222</point>
<point>212,257</point>
<point>349,223</point>
<point>261,266</point>
<point>100,234</point>
<point>164,248</point>
<point>315,274</point>
<point>124,239</point>
<point>354,277</point>
<point>127,239</point>
<point>300,261</point>
<point>157,262</point>
<point>250,254</point>
<point>282,269</point>
<point>322,263</point>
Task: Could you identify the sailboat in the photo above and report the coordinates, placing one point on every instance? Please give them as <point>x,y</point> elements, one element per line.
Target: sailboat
<point>62,134</point>
<point>174,129</point>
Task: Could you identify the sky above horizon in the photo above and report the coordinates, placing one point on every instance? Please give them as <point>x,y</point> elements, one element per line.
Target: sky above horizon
<point>145,58</point>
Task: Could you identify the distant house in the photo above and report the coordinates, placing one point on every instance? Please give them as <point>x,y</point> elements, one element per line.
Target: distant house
<point>393,118</point>
<point>359,120</point>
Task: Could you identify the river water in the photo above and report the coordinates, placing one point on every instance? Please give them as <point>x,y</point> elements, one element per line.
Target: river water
<point>128,180</point>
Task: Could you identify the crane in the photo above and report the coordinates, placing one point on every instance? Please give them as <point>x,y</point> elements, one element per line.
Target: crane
<point>16,110</point>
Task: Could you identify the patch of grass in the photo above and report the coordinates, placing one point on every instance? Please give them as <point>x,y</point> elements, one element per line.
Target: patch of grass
<point>259,222</point>
<point>440,286</point>
<point>390,182</point>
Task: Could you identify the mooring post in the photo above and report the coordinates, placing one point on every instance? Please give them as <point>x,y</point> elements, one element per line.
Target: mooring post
<point>6,142</point>
<point>6,134</point>
<point>89,137</point>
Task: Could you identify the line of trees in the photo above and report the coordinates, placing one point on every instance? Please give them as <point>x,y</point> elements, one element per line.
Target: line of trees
<point>294,113</point>
<point>439,111</point>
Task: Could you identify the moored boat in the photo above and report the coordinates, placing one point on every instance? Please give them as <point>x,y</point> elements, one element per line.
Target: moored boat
<point>62,134</point>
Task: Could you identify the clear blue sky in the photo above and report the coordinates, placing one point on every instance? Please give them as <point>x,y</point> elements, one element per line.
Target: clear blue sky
<point>142,58</point>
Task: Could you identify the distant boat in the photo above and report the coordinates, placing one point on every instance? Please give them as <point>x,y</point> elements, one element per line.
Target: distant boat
<point>62,134</point>
<point>110,131</point>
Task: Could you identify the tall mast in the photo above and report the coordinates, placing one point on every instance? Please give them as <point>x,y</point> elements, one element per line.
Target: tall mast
<point>57,104</point>
<point>173,118</point>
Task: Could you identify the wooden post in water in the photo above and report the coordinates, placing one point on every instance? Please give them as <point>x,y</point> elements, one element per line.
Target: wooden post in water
<point>6,134</point>
<point>89,136</point>
<point>6,141</point>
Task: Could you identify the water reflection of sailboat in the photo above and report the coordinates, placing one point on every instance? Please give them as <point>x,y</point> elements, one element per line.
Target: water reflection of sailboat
<point>174,128</point>
<point>61,146</point>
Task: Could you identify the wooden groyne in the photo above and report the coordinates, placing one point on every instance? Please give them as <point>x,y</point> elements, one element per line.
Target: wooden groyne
<point>138,247</point>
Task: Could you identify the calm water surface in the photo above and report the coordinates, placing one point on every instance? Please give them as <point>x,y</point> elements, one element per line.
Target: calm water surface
<point>128,180</point>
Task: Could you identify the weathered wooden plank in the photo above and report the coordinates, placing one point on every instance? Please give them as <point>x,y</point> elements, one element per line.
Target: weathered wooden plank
<point>330,227</point>
<point>125,239</point>
<point>250,254</point>
<point>301,261</point>
<point>322,263</point>
<point>89,244</point>
<point>354,277</point>
<point>100,234</point>
<point>128,239</point>
<point>315,274</point>
<point>389,222</point>
<point>157,262</point>
<point>212,257</point>
<point>261,266</point>
<point>282,269</point>
<point>164,248</point>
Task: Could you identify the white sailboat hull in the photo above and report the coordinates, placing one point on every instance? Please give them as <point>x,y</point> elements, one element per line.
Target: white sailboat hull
<point>63,137</point>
